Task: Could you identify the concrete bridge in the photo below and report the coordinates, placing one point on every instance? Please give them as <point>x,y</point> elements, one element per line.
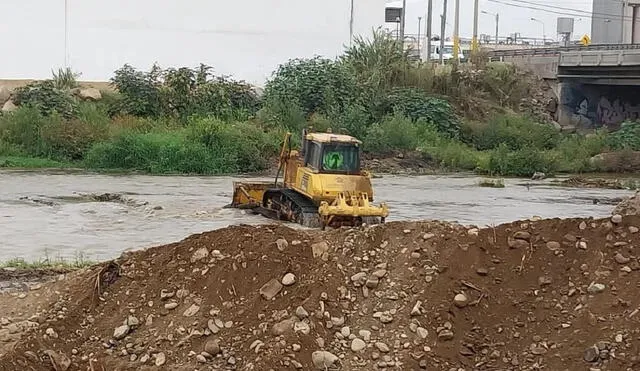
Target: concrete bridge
<point>596,85</point>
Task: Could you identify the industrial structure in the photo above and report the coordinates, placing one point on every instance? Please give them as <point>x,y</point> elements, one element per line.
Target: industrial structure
<point>615,22</point>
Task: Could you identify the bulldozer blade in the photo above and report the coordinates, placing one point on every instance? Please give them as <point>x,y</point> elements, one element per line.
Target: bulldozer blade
<point>348,210</point>
<point>248,195</point>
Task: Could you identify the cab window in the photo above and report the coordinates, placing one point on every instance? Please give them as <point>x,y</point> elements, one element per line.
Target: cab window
<point>340,158</point>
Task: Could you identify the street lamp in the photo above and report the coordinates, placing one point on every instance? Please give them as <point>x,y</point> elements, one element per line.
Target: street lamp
<point>497,21</point>
<point>66,33</point>
<point>544,34</point>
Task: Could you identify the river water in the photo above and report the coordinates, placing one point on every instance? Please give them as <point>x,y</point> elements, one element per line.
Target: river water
<point>43,214</point>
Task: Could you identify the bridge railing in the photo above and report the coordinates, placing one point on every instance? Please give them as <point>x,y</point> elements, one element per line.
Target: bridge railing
<point>557,50</point>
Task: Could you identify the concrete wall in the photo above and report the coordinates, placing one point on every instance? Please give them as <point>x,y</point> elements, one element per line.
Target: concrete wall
<point>545,67</point>
<point>247,39</point>
<point>606,29</point>
<point>594,106</point>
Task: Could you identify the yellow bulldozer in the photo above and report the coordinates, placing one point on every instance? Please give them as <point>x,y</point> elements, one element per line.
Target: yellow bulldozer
<point>322,185</point>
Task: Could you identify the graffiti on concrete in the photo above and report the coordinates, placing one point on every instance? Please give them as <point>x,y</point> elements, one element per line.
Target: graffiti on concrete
<point>613,113</point>
<point>594,106</point>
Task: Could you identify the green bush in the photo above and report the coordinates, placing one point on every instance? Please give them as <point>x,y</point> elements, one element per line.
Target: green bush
<point>626,138</point>
<point>23,128</point>
<point>416,105</point>
<point>47,98</point>
<point>514,131</point>
<point>446,152</point>
<point>523,162</point>
<point>316,85</point>
<point>393,133</point>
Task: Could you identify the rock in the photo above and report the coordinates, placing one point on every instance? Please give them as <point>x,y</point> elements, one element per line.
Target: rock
<point>302,327</point>
<point>616,219</point>
<point>445,335</point>
<point>283,327</point>
<point>212,347</point>
<point>417,309</point>
<point>5,94</point>
<point>211,324</point>
<point>345,331</point>
<point>522,235</point>
<point>164,294</point>
<point>288,279</point>
<point>161,359</point>
<point>422,332</point>
<point>619,338</point>
<point>595,288</point>
<point>621,259</point>
<point>172,305</point>
<point>9,106</point>
<point>191,311</point>
<point>538,176</point>
<point>59,361</point>
<point>380,273</point>
<point>582,226</point>
<point>320,250</point>
<point>323,360</point>
<point>517,243</point>
<point>199,254</point>
<point>553,245</point>
<point>201,359</point>
<point>382,347</point>
<point>90,94</point>
<point>544,280</point>
<point>582,245</point>
<point>591,354</point>
<point>473,232</point>
<point>270,289</point>
<point>121,332</point>
<point>301,313</point>
<point>365,335</point>
<point>482,271</point>
<point>282,244</point>
<point>359,279</point>
<point>358,345</point>
<point>461,300</point>
<point>372,282</point>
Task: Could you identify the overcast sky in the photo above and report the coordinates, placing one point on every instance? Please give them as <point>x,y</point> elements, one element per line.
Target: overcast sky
<point>243,38</point>
<point>512,18</point>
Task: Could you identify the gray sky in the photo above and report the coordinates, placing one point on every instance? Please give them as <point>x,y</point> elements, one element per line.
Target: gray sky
<point>244,38</point>
<point>512,18</point>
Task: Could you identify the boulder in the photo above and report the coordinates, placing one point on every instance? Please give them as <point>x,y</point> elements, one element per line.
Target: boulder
<point>90,94</point>
<point>629,206</point>
<point>9,106</point>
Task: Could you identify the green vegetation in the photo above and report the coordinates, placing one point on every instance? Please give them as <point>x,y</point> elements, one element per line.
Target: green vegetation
<point>184,120</point>
<point>58,263</point>
<point>492,183</point>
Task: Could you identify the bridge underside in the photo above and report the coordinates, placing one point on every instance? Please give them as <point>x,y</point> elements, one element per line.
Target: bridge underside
<point>609,75</point>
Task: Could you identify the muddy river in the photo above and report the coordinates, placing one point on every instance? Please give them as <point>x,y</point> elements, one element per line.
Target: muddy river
<point>45,214</point>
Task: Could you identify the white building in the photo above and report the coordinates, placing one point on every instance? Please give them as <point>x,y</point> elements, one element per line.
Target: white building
<point>615,22</point>
<point>247,39</point>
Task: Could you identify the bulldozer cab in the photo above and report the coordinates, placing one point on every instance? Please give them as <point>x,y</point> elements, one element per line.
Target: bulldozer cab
<point>331,153</point>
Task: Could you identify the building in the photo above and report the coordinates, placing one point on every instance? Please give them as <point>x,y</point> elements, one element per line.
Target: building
<point>246,39</point>
<point>615,22</point>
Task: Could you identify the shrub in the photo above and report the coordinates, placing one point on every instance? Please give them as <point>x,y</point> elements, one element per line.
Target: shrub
<point>393,133</point>
<point>139,91</point>
<point>628,137</point>
<point>416,105</point>
<point>315,85</point>
<point>514,131</point>
<point>23,128</point>
<point>47,98</point>
<point>523,162</point>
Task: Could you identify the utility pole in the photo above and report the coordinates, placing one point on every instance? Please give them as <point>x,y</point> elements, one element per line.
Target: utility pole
<point>66,33</point>
<point>402,21</point>
<point>474,41</point>
<point>419,29</point>
<point>429,21</point>
<point>443,30</point>
<point>497,22</point>
<point>456,33</point>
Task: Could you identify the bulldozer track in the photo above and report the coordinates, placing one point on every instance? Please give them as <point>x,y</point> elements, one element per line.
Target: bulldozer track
<point>300,209</point>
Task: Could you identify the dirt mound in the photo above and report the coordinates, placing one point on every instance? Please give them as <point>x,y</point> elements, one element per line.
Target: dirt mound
<point>629,206</point>
<point>530,295</point>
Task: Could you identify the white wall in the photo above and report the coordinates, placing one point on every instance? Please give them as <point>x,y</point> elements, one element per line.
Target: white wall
<point>243,38</point>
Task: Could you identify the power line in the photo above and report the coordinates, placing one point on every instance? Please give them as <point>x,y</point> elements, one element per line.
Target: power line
<point>565,13</point>
<point>568,9</point>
